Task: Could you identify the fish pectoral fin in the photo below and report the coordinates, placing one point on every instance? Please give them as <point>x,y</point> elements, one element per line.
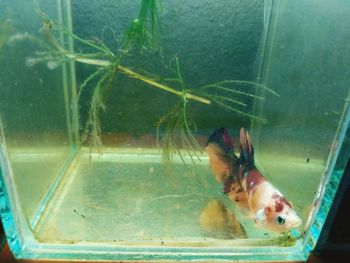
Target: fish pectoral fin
<point>260,216</point>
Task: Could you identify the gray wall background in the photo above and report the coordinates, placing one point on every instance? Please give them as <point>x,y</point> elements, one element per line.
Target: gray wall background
<point>214,40</point>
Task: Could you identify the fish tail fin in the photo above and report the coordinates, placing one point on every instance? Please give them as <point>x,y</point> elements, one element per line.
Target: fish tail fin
<point>247,150</point>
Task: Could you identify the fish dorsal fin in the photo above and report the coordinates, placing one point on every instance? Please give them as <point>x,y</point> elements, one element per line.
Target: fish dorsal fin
<point>247,151</point>
<point>224,141</point>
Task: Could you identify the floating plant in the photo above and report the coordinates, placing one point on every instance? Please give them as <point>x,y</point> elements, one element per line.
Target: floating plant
<point>179,132</point>
<point>143,33</point>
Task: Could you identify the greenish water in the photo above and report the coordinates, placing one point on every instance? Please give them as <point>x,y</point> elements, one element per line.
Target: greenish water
<point>59,198</point>
<point>128,196</point>
<point>35,169</point>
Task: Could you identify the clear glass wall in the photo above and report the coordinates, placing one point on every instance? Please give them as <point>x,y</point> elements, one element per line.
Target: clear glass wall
<point>106,107</point>
<point>36,137</point>
<point>305,62</point>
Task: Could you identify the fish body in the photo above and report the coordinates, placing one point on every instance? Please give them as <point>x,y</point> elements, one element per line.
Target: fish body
<point>245,185</point>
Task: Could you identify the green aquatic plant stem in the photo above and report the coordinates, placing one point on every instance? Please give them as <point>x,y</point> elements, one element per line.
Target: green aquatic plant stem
<point>242,82</point>
<point>135,75</point>
<point>143,31</point>
<point>93,129</point>
<point>184,94</point>
<point>205,98</point>
<point>178,137</point>
<point>238,111</point>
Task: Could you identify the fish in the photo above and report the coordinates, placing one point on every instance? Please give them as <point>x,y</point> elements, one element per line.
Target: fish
<point>246,186</point>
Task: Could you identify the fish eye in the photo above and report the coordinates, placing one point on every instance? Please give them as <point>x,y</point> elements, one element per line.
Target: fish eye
<point>280,220</point>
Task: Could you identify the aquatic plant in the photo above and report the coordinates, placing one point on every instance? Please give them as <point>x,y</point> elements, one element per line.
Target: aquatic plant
<point>109,66</point>
<point>230,102</point>
<point>286,239</point>
<point>179,127</point>
<point>143,31</point>
<point>178,137</point>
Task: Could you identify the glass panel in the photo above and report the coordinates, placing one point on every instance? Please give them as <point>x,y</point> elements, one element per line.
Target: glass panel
<point>33,105</point>
<point>129,177</point>
<point>305,63</point>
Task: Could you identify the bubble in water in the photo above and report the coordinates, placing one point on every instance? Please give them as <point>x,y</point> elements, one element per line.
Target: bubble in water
<point>52,64</point>
<point>30,61</point>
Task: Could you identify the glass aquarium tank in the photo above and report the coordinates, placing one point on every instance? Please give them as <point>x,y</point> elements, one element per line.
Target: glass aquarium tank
<point>158,130</point>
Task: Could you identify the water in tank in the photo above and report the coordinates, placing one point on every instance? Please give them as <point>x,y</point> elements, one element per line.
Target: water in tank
<point>158,130</point>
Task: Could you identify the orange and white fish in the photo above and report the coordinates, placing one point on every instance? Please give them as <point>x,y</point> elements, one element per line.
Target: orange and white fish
<point>245,185</point>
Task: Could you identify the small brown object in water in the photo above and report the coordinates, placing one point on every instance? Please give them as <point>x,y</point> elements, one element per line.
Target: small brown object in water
<point>219,222</point>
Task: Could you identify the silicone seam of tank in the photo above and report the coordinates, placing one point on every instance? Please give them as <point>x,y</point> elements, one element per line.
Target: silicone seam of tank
<point>75,113</point>
<point>268,38</point>
<point>52,189</point>
<point>68,73</point>
<point>332,176</point>
<point>64,72</point>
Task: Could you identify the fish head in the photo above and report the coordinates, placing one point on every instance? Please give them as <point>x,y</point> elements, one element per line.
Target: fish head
<point>279,216</point>
<point>285,220</point>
